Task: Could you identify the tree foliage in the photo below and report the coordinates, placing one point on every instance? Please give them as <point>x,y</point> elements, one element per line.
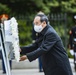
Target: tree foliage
<point>33,6</point>
<point>4,8</point>
<point>29,8</point>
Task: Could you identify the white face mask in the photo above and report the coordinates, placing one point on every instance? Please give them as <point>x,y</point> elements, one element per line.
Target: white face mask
<point>38,28</point>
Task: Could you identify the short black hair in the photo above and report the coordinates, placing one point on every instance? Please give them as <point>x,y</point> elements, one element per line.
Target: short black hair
<point>43,18</point>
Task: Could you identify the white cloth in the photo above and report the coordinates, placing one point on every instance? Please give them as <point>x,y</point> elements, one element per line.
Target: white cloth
<point>71,52</point>
<point>9,49</point>
<point>75,54</point>
<point>8,33</point>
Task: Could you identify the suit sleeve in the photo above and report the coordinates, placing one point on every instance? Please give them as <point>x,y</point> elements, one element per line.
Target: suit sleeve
<point>48,42</point>
<point>27,49</point>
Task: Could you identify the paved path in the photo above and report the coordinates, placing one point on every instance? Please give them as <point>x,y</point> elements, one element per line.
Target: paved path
<point>33,71</point>
<point>24,72</point>
<point>27,72</point>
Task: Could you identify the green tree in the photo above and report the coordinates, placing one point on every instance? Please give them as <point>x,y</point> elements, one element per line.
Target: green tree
<point>4,9</point>
<point>29,8</point>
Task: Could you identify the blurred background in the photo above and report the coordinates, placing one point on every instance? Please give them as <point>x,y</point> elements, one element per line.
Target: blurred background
<point>60,13</point>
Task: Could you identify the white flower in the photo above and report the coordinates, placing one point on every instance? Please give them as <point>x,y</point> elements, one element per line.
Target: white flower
<point>15,42</point>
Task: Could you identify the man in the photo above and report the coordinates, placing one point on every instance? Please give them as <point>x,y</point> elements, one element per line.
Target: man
<point>3,18</point>
<point>72,42</point>
<point>35,35</point>
<point>49,46</point>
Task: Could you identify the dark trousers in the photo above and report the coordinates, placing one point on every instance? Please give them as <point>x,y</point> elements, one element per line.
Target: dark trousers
<point>40,64</point>
<point>3,65</point>
<point>74,52</point>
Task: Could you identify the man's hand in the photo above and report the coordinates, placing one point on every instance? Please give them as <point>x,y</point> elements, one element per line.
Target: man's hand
<point>22,58</point>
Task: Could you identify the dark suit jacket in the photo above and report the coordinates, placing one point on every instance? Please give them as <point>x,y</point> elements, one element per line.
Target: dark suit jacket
<point>53,55</point>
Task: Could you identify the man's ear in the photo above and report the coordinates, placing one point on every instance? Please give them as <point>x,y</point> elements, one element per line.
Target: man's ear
<point>44,23</point>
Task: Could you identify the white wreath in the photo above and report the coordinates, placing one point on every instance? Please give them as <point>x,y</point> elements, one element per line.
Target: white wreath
<point>12,36</point>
